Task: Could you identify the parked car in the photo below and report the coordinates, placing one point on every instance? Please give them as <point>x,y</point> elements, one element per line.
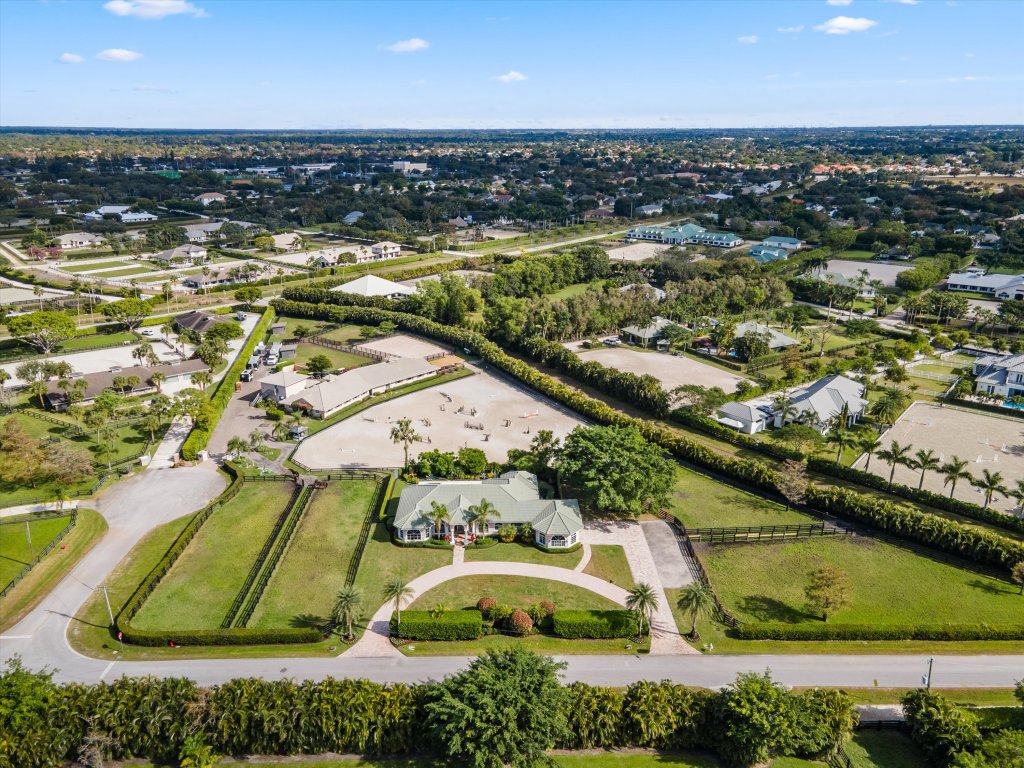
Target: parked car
<point>148,332</point>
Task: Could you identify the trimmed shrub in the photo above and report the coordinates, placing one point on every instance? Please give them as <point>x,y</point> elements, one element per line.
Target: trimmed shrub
<point>485,605</point>
<point>548,606</point>
<point>484,542</point>
<point>823,631</point>
<point>451,625</point>
<point>520,622</point>
<point>507,534</point>
<point>526,533</point>
<point>596,625</point>
<point>427,543</point>
<point>500,612</point>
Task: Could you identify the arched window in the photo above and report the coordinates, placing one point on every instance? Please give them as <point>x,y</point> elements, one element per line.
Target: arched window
<point>558,541</point>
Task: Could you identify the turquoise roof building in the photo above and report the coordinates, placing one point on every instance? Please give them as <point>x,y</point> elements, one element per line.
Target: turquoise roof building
<point>777,241</point>
<point>765,253</point>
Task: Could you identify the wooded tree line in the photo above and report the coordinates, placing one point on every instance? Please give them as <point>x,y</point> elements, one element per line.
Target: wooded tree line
<point>507,708</point>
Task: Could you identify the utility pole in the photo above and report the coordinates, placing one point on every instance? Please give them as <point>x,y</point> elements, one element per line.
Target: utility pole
<point>928,678</point>
<point>106,598</point>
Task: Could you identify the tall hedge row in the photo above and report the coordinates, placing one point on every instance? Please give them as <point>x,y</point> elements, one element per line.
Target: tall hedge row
<point>449,625</point>
<point>200,435</point>
<point>153,719</point>
<point>595,625</point>
<point>899,520</point>
<point>768,630</point>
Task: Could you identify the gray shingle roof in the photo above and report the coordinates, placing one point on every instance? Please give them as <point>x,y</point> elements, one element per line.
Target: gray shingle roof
<point>515,495</point>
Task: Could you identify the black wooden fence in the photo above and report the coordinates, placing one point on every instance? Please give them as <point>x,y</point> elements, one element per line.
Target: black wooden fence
<point>764,533</point>
<point>45,551</point>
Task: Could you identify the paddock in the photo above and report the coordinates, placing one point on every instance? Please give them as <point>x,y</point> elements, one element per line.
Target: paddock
<point>481,411</point>
<point>402,345</point>
<point>636,251</point>
<point>884,271</point>
<point>671,370</point>
<point>991,442</point>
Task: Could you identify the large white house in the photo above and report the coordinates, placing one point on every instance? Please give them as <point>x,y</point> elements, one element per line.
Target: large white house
<point>209,198</point>
<point>556,523</point>
<point>819,403</point>
<point>182,254</point>
<point>975,280</point>
<point>686,234</point>
<point>999,375</point>
<point>71,240</point>
<point>123,212</point>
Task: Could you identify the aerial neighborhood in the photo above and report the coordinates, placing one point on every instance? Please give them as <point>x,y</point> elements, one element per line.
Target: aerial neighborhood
<point>397,446</point>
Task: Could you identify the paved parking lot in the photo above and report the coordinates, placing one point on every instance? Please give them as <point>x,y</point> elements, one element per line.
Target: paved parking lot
<point>884,271</point>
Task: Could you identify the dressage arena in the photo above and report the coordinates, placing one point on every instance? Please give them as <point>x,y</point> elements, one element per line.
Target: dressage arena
<point>480,411</point>
<point>404,346</point>
<point>989,442</point>
<point>671,370</point>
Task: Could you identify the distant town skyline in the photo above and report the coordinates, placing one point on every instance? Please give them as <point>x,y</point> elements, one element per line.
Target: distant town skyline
<point>234,64</point>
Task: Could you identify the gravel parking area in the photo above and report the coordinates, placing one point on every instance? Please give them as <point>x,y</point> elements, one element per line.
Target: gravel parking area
<point>440,415</point>
<point>670,370</point>
<point>991,442</point>
<point>877,270</point>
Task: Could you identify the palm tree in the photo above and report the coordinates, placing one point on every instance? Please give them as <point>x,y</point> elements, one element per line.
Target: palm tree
<point>867,444</point>
<point>699,601</point>
<point>783,405</point>
<point>482,514</point>
<point>345,605</point>
<point>895,455</point>
<point>953,470</point>
<point>158,378</point>
<point>400,593</point>
<point>841,438</point>
<point>438,516</point>
<point>643,601</point>
<point>890,405</point>
<point>403,433</point>
<point>237,446</point>
<point>4,378</point>
<point>926,461</point>
<point>990,483</point>
<point>280,431</point>
<point>1017,494</point>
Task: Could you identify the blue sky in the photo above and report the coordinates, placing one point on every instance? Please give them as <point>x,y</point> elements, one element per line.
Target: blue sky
<point>321,64</point>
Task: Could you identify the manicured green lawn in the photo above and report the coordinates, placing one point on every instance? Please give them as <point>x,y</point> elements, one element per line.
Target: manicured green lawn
<point>513,591</point>
<point>383,561</point>
<point>314,567</point>
<point>203,583</point>
<point>126,272</point>
<point>542,644</point>
<point>15,552</point>
<point>854,255</point>
<point>523,553</point>
<point>961,697</point>
<point>889,585</point>
<point>339,360</point>
<point>608,562</point>
<point>884,749</point>
<point>14,350</point>
<point>52,568</point>
<point>700,502</point>
<point>570,290</point>
<point>346,334</point>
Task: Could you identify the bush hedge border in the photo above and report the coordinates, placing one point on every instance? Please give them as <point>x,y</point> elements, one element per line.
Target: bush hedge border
<point>767,630</point>
<point>449,625</point>
<point>199,437</point>
<point>594,625</point>
<point>902,521</point>
<point>135,636</point>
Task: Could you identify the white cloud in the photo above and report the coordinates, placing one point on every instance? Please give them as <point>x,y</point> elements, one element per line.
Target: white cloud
<point>839,2</point>
<point>511,77</point>
<point>70,58</point>
<point>153,9</point>
<point>748,39</point>
<point>969,55</point>
<point>790,30</point>
<point>844,25</point>
<point>967,79</point>
<point>408,46</point>
<point>118,54</point>
<point>902,2</point>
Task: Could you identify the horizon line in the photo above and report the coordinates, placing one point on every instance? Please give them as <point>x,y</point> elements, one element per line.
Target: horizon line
<point>12,128</point>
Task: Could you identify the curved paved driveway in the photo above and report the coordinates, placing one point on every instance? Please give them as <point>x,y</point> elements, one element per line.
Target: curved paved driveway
<point>375,642</point>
